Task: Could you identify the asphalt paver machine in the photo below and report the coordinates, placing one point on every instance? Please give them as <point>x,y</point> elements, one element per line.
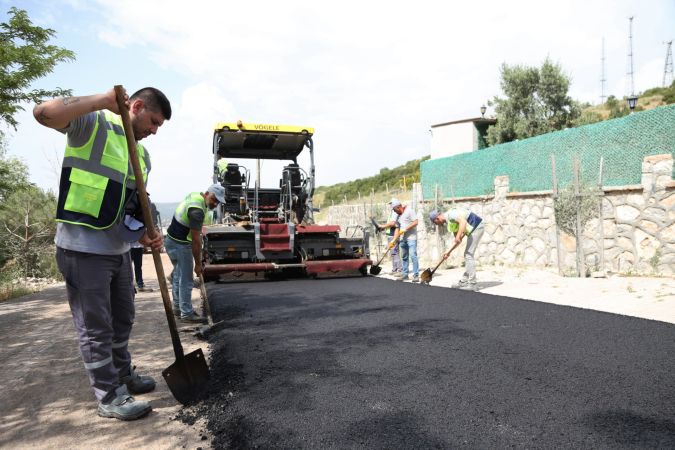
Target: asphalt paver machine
<point>266,231</point>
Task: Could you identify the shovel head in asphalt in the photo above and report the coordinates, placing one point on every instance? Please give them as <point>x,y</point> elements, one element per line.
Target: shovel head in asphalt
<point>187,377</point>
<point>425,277</point>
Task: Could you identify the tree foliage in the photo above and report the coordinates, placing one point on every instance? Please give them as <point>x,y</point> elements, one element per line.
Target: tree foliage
<point>13,175</point>
<point>27,230</point>
<point>25,56</point>
<point>536,102</point>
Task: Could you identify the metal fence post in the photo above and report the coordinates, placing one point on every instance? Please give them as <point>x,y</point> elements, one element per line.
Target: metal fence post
<point>578,229</point>
<point>554,179</point>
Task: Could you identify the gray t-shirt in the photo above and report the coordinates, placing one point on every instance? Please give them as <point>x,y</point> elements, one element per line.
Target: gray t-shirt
<point>77,237</point>
<point>407,217</point>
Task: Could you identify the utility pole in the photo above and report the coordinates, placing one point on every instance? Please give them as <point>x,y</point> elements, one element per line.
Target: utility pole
<point>668,67</point>
<point>602,74</point>
<point>630,56</point>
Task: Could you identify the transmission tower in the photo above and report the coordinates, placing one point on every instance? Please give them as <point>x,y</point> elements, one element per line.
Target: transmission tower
<point>668,67</point>
<point>630,56</point>
<point>602,74</point>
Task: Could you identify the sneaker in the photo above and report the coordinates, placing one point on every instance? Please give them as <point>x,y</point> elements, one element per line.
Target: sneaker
<point>123,406</point>
<point>145,289</point>
<point>469,286</point>
<point>461,284</point>
<point>193,318</point>
<point>416,279</point>
<point>401,277</point>
<point>137,384</point>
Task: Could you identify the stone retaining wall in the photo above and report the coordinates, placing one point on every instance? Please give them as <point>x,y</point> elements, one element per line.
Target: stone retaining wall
<point>636,233</point>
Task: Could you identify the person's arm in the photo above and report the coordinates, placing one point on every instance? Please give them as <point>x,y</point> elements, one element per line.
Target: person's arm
<point>411,226</point>
<point>460,232</point>
<point>196,218</point>
<point>59,112</point>
<point>197,250</point>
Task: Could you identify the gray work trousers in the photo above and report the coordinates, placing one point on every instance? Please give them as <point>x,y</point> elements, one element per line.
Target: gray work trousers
<point>101,297</point>
<point>471,245</point>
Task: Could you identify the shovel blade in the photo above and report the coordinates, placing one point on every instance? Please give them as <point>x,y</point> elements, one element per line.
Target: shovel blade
<point>187,377</point>
<point>375,270</point>
<point>426,276</point>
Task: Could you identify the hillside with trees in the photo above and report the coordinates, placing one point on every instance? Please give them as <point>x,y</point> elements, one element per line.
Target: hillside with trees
<point>399,178</point>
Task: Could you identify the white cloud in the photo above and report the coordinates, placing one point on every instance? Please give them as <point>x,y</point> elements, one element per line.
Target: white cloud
<point>371,77</point>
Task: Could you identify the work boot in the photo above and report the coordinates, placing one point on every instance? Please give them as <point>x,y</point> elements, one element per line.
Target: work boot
<point>122,406</point>
<point>176,312</point>
<point>137,384</point>
<point>193,318</point>
<point>145,289</point>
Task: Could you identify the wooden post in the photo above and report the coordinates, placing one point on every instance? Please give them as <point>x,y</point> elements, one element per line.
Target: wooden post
<point>581,271</point>
<point>554,179</point>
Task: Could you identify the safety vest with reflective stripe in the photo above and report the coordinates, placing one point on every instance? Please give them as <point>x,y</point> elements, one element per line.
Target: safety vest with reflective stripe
<point>179,230</point>
<point>96,178</point>
<point>472,221</point>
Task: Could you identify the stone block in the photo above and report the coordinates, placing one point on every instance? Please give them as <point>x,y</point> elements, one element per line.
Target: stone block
<point>608,227</point>
<point>668,234</point>
<point>648,226</point>
<point>538,244</point>
<point>530,256</point>
<point>626,213</point>
<point>624,243</point>
<point>637,200</point>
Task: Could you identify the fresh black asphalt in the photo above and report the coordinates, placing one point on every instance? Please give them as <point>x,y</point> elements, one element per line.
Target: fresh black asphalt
<point>372,363</point>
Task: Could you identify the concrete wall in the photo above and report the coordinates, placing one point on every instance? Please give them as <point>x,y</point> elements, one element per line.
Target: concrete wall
<point>636,233</point>
<point>449,140</point>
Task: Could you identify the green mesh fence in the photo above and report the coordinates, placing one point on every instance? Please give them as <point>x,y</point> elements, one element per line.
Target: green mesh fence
<point>623,143</point>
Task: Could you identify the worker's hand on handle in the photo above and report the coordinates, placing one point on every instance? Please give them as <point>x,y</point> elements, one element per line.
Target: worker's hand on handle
<point>111,98</point>
<point>155,243</point>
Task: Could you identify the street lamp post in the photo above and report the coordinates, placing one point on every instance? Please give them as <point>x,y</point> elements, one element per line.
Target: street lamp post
<point>482,111</point>
<point>632,102</point>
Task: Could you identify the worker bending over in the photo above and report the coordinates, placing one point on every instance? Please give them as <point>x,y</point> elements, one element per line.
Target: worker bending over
<point>184,245</point>
<point>462,222</point>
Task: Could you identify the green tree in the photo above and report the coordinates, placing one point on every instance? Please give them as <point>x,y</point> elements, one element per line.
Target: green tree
<point>27,230</point>
<point>25,56</point>
<point>536,102</point>
<point>13,175</point>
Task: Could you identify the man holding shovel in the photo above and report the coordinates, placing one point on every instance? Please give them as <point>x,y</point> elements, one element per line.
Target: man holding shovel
<point>462,222</point>
<point>391,226</point>
<point>407,235</point>
<point>184,245</point>
<point>91,252</point>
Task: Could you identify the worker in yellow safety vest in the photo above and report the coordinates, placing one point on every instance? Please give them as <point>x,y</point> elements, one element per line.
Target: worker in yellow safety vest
<point>92,250</point>
<point>184,246</point>
<point>462,222</point>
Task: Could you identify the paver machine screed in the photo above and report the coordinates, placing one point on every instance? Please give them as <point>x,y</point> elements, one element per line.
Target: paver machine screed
<point>266,231</point>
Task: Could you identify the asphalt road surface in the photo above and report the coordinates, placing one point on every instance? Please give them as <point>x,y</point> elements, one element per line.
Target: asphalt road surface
<point>373,363</point>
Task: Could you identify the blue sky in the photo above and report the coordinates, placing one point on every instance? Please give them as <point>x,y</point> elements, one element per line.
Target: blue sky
<point>371,77</point>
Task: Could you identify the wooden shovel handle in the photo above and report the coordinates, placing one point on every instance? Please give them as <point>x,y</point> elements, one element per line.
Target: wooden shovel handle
<point>147,217</point>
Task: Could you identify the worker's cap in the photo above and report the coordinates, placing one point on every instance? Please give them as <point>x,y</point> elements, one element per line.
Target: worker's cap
<point>433,215</point>
<point>394,203</point>
<point>218,191</point>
